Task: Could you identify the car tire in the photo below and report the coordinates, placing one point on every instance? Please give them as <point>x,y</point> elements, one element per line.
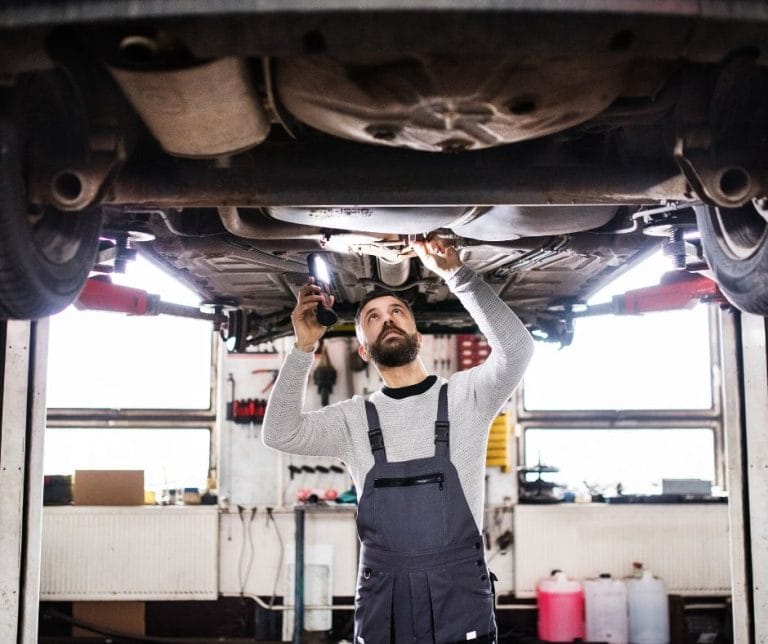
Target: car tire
<point>735,245</point>
<point>45,254</point>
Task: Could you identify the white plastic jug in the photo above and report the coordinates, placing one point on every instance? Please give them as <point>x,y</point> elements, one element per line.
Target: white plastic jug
<point>605,601</point>
<point>648,610</point>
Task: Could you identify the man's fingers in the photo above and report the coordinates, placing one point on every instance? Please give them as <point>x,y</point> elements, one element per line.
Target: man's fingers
<point>309,285</point>
<point>426,250</point>
<point>309,291</point>
<point>308,298</point>
<point>306,307</point>
<point>433,245</point>
<point>438,246</point>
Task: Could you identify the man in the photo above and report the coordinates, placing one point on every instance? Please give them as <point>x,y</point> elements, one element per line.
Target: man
<point>416,449</point>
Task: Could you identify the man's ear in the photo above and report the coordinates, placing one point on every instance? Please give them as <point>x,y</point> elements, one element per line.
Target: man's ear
<point>361,351</point>
<point>420,339</point>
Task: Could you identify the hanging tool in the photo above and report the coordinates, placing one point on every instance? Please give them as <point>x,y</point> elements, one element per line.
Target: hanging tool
<point>676,290</point>
<point>231,404</point>
<point>325,377</point>
<point>245,410</point>
<point>273,372</point>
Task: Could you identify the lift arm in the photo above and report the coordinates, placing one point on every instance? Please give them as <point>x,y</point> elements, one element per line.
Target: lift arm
<point>101,295</point>
<point>677,290</point>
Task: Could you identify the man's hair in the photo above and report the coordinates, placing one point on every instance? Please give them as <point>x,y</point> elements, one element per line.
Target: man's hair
<point>374,295</point>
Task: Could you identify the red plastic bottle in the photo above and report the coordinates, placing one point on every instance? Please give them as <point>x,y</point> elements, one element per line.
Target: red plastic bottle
<point>561,608</point>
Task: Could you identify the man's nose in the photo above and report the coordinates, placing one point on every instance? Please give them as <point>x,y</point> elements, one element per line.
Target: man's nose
<point>387,326</point>
<point>386,320</point>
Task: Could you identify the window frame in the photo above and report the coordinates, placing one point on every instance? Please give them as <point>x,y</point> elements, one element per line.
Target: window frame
<point>140,418</point>
<point>671,419</point>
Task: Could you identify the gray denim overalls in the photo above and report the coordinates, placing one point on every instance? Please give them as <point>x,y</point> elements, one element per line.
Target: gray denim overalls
<point>423,576</point>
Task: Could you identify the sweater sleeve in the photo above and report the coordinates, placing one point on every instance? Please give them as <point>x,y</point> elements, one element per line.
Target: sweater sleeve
<point>288,428</point>
<point>491,384</point>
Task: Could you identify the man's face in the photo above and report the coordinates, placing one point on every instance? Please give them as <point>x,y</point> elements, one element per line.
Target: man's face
<point>389,333</point>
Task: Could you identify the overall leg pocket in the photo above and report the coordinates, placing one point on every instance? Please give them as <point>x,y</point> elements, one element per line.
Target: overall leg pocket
<point>462,602</point>
<point>373,607</point>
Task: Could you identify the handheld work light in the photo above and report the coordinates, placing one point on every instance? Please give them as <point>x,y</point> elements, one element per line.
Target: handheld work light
<point>319,270</point>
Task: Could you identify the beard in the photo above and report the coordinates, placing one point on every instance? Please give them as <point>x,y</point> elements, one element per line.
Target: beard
<point>394,351</point>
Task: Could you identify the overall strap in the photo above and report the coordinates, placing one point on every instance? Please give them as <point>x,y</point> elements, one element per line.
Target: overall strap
<point>442,426</point>
<point>374,433</point>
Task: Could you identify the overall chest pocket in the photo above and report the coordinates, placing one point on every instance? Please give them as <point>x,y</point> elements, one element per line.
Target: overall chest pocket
<point>410,511</point>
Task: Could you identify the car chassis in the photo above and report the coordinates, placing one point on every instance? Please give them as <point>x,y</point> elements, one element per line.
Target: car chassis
<point>554,145</point>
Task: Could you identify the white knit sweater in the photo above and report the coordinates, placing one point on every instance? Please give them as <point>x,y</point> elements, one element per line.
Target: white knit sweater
<point>475,397</point>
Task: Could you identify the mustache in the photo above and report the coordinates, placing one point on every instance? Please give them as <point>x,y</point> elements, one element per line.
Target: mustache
<point>389,328</point>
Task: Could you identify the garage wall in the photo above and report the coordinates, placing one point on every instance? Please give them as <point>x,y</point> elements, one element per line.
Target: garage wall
<point>251,474</point>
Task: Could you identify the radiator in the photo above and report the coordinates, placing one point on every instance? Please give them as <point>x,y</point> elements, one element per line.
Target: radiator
<point>686,545</point>
<point>94,553</point>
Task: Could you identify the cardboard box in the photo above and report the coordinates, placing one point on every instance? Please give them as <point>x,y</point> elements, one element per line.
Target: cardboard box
<point>124,618</point>
<point>109,487</point>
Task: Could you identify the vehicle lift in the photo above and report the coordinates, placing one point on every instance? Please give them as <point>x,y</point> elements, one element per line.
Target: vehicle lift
<point>22,424</point>
<point>676,290</point>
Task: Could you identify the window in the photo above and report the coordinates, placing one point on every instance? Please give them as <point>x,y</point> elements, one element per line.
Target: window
<point>637,458</point>
<point>132,392</point>
<point>171,458</point>
<point>631,401</point>
<point>115,361</point>
<point>654,361</point>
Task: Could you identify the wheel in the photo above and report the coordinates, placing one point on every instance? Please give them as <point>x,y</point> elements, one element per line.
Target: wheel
<point>735,245</point>
<point>45,253</point>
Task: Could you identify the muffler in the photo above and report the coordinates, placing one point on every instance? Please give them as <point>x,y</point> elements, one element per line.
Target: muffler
<point>204,110</point>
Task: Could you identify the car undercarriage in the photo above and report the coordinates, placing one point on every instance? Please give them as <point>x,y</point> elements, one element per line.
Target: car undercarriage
<point>555,147</point>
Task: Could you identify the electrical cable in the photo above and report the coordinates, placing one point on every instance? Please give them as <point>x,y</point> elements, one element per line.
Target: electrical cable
<point>241,511</point>
<point>246,539</point>
<point>251,548</point>
<point>270,517</point>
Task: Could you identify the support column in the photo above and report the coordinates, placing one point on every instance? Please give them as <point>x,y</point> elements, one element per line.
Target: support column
<point>745,415</point>
<point>23,356</point>
<point>753,342</point>
<point>735,448</point>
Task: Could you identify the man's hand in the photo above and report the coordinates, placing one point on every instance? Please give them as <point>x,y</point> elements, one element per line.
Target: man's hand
<point>437,257</point>
<point>305,325</point>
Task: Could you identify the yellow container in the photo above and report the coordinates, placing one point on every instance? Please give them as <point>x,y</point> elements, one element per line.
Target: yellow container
<point>497,451</point>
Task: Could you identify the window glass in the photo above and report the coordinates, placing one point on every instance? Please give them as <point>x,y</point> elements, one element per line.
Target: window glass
<point>115,361</point>
<point>637,458</point>
<point>171,458</point>
<point>652,361</point>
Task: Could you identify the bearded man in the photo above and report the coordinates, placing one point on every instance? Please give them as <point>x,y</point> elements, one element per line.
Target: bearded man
<point>416,449</point>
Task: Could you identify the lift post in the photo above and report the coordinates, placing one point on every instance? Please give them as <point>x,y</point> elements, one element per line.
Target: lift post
<point>23,358</point>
